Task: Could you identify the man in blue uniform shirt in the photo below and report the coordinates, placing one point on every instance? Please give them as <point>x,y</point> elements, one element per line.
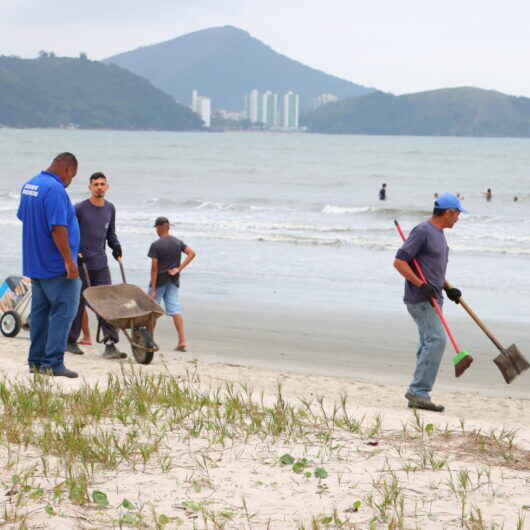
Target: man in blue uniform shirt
<point>50,243</point>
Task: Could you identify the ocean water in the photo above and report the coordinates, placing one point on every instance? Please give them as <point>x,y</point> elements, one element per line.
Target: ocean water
<point>293,219</point>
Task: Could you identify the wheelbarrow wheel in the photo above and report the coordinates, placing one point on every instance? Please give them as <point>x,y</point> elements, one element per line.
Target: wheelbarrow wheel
<point>10,324</point>
<point>144,353</point>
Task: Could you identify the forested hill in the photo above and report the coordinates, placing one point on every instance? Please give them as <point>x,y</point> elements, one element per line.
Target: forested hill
<point>465,111</point>
<point>53,91</point>
<point>225,63</point>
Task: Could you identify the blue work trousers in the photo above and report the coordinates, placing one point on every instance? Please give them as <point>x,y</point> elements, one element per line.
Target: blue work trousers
<point>54,303</point>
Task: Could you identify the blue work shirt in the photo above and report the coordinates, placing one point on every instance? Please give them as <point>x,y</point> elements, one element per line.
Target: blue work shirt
<point>428,245</point>
<point>44,204</point>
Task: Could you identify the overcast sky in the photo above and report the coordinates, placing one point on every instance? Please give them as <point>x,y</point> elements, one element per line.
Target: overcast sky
<point>396,46</point>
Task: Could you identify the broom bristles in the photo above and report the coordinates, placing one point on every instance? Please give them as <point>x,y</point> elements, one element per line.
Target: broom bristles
<point>462,365</point>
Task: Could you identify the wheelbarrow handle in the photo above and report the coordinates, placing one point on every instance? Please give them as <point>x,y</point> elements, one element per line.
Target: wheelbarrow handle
<point>85,270</point>
<point>122,270</point>
<point>479,322</point>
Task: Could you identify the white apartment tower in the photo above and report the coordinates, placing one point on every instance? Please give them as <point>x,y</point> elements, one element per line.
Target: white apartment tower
<point>290,110</point>
<point>269,109</point>
<point>205,111</point>
<point>264,106</point>
<point>253,112</point>
<point>202,106</point>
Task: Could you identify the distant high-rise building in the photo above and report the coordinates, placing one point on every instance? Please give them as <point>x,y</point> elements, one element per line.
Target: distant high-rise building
<point>194,100</point>
<point>272,111</point>
<point>290,110</point>
<point>254,106</point>
<point>323,99</point>
<point>205,111</point>
<point>264,106</point>
<point>202,106</point>
<point>275,117</point>
<point>269,109</point>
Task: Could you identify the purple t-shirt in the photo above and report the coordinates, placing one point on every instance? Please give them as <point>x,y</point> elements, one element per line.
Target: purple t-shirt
<point>428,245</point>
<point>98,228</point>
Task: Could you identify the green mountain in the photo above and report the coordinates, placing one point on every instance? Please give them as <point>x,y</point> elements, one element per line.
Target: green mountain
<point>52,91</point>
<point>462,111</point>
<point>225,63</point>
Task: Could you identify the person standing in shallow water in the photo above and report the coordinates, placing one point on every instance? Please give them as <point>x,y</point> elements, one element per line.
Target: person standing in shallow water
<point>488,194</point>
<point>165,254</point>
<point>50,242</point>
<point>382,193</point>
<point>427,244</point>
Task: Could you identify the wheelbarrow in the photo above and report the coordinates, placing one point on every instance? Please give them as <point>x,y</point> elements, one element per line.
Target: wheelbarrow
<point>129,309</point>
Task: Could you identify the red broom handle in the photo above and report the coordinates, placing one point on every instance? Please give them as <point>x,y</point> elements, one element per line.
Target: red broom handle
<point>436,306</point>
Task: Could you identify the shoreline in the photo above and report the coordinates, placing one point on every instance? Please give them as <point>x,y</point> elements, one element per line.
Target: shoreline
<point>360,347</point>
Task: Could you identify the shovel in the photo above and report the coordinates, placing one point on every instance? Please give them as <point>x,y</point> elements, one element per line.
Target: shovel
<point>511,361</point>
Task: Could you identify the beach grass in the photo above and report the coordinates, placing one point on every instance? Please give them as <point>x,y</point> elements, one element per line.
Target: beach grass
<point>213,455</point>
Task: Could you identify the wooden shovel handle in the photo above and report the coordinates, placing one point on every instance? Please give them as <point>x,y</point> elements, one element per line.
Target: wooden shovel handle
<point>479,322</point>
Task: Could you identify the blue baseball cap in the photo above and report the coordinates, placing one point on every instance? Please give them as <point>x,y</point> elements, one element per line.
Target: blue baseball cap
<point>448,200</point>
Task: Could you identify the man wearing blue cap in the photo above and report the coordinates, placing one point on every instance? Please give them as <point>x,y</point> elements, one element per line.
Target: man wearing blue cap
<point>427,244</point>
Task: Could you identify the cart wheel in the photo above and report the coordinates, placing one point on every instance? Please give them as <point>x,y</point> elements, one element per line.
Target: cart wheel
<point>145,354</point>
<point>10,324</point>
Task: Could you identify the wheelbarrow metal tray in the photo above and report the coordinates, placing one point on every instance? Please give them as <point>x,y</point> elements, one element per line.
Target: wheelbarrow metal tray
<point>121,303</point>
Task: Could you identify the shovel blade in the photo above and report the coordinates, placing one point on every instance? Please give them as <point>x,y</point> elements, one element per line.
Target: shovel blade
<point>506,366</point>
<point>511,363</point>
<point>517,358</point>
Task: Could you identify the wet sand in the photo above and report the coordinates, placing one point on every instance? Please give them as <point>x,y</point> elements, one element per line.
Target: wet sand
<point>354,346</point>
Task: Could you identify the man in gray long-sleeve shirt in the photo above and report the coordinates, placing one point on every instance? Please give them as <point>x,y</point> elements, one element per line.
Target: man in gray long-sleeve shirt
<point>97,220</point>
<point>427,245</point>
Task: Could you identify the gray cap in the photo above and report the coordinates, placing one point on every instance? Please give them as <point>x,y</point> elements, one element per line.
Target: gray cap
<point>161,221</point>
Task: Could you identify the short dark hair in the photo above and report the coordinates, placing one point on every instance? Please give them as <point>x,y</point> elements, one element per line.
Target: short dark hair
<point>96,176</point>
<point>67,159</point>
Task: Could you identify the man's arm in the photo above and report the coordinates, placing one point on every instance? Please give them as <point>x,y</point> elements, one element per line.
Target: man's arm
<point>411,247</point>
<point>60,238</point>
<point>407,272</point>
<point>112,238</point>
<point>154,275</point>
<point>190,256</point>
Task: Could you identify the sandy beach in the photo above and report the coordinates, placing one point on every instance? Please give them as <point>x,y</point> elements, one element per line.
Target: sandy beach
<point>249,447</point>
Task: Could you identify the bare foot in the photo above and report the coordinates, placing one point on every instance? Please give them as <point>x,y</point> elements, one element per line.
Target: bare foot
<point>85,341</point>
<point>181,347</point>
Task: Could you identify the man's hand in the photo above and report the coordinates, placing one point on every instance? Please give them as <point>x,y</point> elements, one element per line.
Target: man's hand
<point>428,291</point>
<point>152,293</point>
<point>71,270</point>
<point>174,271</point>
<point>117,252</point>
<point>453,294</point>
